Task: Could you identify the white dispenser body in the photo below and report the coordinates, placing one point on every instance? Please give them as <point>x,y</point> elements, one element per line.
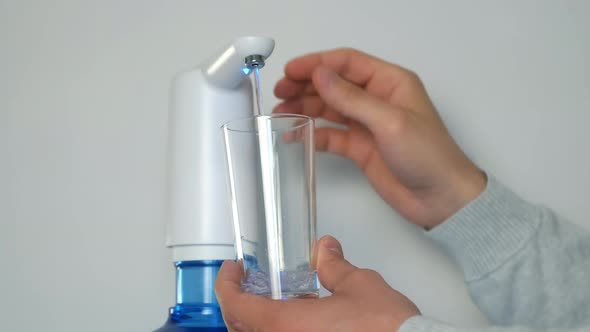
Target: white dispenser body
<point>199,223</point>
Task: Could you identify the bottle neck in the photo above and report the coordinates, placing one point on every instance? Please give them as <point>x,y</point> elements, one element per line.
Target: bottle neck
<point>195,281</point>
<point>196,306</point>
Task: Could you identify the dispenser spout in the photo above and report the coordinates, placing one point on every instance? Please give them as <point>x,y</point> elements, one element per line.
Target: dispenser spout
<point>254,61</point>
<point>232,64</point>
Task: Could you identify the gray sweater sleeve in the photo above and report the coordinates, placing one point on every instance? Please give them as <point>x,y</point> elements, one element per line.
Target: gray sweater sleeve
<point>525,268</point>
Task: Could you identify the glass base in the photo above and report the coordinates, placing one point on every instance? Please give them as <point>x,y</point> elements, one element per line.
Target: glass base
<point>288,296</point>
<point>294,284</point>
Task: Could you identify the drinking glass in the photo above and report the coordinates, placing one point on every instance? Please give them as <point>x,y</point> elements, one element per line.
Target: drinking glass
<point>271,175</point>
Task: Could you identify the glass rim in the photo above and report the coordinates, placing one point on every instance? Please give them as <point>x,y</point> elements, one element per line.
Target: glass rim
<point>308,120</point>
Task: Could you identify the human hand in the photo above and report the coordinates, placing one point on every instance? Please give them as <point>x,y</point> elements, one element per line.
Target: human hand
<point>393,132</point>
<point>361,300</point>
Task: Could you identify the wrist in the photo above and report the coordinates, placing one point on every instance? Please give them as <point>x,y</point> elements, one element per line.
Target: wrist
<point>470,185</point>
<point>462,188</point>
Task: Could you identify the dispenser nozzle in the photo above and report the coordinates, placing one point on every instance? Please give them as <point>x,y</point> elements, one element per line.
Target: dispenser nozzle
<point>254,61</point>
<point>226,69</point>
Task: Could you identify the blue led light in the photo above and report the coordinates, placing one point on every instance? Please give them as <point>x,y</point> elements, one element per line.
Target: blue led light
<point>246,71</point>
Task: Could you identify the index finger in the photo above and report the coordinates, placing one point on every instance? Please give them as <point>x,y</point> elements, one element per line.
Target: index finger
<point>353,65</point>
<point>378,77</point>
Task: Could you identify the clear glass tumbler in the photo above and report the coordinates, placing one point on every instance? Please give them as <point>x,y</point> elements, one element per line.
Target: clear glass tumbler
<point>271,175</point>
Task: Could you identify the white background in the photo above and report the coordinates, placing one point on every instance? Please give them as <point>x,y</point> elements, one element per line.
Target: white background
<point>83,118</point>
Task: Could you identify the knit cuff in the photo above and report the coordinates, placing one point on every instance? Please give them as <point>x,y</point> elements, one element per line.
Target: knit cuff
<point>488,231</point>
<point>424,324</point>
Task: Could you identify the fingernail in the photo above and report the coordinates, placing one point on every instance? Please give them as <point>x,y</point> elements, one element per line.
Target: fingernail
<point>325,77</point>
<point>332,244</point>
<point>228,267</point>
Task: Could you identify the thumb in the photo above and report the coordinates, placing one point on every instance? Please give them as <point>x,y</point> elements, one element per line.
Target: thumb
<point>227,284</point>
<point>351,100</point>
<point>331,265</point>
